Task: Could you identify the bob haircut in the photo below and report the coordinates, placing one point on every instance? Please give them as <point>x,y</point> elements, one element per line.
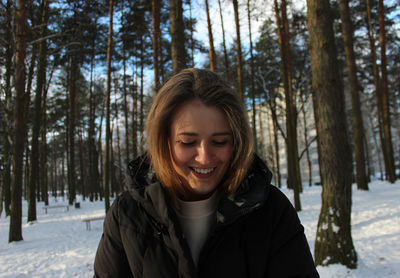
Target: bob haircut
<point>211,90</point>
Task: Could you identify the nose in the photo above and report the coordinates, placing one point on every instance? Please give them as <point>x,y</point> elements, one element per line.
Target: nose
<point>204,154</point>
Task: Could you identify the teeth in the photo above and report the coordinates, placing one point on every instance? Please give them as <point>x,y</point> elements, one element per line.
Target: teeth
<point>203,171</point>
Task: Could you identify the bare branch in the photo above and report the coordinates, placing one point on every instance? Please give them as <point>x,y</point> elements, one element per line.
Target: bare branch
<point>308,145</point>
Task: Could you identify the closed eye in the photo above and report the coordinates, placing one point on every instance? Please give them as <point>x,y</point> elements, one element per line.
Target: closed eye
<point>220,143</point>
<point>191,143</point>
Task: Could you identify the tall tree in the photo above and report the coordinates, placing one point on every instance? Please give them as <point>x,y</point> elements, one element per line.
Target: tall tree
<point>156,7</point>
<point>333,243</point>
<point>94,179</point>
<point>226,63</point>
<point>178,51</point>
<point>40,86</point>
<point>43,147</point>
<point>252,74</point>
<point>375,71</point>
<point>191,29</point>
<point>239,65</point>
<point>387,146</point>
<point>211,50</point>
<point>20,106</point>
<point>358,126</point>
<point>108,149</point>
<point>293,168</point>
<point>7,126</point>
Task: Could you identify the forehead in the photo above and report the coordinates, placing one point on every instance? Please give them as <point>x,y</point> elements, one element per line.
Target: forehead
<point>194,116</point>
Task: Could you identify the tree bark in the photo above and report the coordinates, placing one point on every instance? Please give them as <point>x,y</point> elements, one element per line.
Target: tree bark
<point>43,148</point>
<point>239,66</point>
<point>226,62</point>
<point>40,86</point>
<point>388,146</point>
<point>20,106</point>
<point>191,23</point>
<point>43,142</point>
<point>252,76</point>
<point>358,126</point>
<point>94,179</point>
<point>293,168</point>
<point>309,164</point>
<point>119,168</point>
<point>107,164</point>
<point>211,51</point>
<point>71,129</point>
<point>178,51</point>
<point>141,120</point>
<point>134,122</point>
<point>276,145</point>
<point>156,6</point>
<point>7,111</point>
<point>378,93</point>
<point>125,91</point>
<point>82,166</point>
<point>333,243</point>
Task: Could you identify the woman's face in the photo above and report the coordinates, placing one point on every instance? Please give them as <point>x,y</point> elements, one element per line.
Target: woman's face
<point>201,148</point>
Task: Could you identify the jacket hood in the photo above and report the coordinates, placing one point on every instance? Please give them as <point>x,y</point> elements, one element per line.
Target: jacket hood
<point>252,192</point>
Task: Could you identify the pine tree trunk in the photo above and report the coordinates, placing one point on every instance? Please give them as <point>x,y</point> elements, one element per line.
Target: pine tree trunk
<point>309,164</point>
<point>112,163</point>
<point>55,181</point>
<point>94,178</point>
<point>239,66</point>
<point>333,243</point>
<point>125,91</point>
<point>160,51</point>
<point>71,130</point>
<point>82,164</point>
<point>40,86</point>
<point>119,169</point>
<point>7,111</point>
<point>252,77</point>
<point>226,62</point>
<point>293,168</point>
<point>141,120</point>
<point>156,7</point>
<point>178,51</point>
<point>20,106</point>
<point>134,122</point>
<point>62,187</point>
<point>107,164</point>
<point>211,51</point>
<point>358,126</point>
<point>191,22</point>
<point>261,144</point>
<point>100,186</point>
<point>43,147</point>
<point>388,146</point>
<point>31,70</point>
<point>276,142</point>
<point>378,91</point>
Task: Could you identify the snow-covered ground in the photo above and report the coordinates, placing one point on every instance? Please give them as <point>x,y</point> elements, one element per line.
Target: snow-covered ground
<point>58,244</point>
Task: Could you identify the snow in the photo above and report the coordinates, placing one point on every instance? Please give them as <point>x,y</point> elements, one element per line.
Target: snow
<point>58,244</point>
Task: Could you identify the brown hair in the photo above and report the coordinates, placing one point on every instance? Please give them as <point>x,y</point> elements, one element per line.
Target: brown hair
<point>211,90</point>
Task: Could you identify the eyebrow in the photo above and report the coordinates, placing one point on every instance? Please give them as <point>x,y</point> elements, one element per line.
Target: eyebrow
<point>196,134</point>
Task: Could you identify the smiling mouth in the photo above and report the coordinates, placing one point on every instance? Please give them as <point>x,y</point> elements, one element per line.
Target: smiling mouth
<point>203,171</point>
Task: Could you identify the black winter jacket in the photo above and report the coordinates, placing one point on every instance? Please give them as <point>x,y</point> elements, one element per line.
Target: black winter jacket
<point>257,234</point>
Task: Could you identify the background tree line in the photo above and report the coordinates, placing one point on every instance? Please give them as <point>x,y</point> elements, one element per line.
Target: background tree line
<point>77,78</point>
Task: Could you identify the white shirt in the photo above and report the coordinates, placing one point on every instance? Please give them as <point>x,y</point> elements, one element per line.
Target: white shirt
<point>197,218</point>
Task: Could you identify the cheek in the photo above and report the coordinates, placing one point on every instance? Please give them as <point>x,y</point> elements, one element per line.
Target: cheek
<point>181,155</point>
<point>226,155</point>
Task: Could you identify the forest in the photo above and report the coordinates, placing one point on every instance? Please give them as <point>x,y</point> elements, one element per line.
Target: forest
<point>77,79</point>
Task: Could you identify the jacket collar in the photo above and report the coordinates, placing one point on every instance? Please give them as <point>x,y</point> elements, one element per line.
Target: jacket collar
<point>251,194</point>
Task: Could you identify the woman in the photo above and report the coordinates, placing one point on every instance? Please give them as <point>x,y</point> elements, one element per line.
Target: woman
<point>201,204</point>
